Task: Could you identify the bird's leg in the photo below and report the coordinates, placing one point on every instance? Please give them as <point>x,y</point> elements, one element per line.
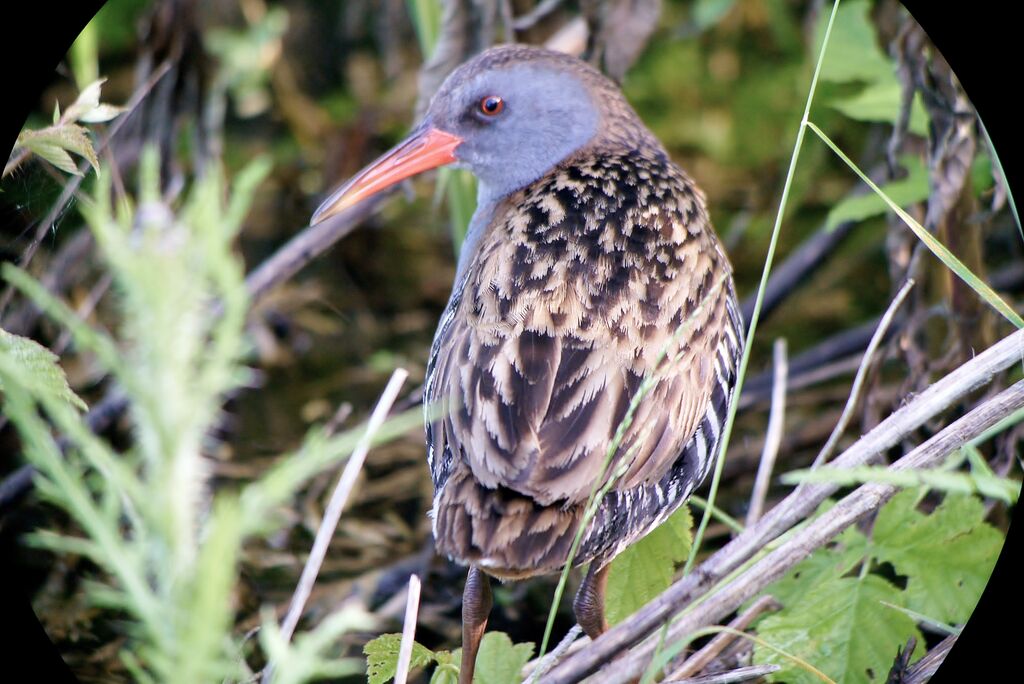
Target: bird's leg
<point>476,607</point>
<point>589,602</point>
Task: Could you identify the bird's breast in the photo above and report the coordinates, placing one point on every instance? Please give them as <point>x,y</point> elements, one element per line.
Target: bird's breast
<point>612,249</point>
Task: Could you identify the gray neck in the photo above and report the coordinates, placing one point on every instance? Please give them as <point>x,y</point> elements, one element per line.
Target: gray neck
<point>485,203</point>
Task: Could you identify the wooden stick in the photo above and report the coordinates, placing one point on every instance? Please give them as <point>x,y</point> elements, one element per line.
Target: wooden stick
<point>773,435</point>
<point>412,607</point>
<point>858,381</point>
<point>702,658</point>
<point>740,674</point>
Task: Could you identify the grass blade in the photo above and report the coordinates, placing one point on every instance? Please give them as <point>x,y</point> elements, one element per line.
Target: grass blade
<point>930,241</point>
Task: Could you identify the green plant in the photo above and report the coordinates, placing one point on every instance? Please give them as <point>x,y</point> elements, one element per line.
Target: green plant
<point>56,143</point>
<point>498,662</point>
<point>166,542</point>
<point>841,605</point>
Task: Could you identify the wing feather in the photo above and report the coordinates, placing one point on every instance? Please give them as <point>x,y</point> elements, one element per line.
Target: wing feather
<point>558,329</point>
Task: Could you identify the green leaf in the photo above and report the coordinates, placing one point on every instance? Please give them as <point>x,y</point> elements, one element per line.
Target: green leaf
<point>53,142</point>
<point>947,556</point>
<point>87,100</point>
<point>881,101</point>
<point>822,566</point>
<point>853,52</point>
<point>841,627</point>
<point>499,660</point>
<point>38,368</point>
<point>56,156</point>
<point>382,657</point>
<point>645,569</point>
<point>447,670</point>
<point>913,188</point>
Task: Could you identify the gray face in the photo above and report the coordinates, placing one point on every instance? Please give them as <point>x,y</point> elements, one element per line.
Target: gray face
<point>545,114</point>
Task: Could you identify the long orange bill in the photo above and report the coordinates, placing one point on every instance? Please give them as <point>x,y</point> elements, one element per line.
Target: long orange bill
<point>425,149</point>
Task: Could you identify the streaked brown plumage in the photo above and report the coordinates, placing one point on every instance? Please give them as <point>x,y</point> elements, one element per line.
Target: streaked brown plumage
<point>600,270</point>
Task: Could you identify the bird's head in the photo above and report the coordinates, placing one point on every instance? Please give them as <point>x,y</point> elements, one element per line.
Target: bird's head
<point>509,115</point>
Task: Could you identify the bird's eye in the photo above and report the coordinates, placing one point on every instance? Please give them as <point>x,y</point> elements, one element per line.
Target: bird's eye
<point>492,105</point>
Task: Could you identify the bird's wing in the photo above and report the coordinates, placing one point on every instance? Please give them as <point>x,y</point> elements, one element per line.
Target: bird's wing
<point>543,354</point>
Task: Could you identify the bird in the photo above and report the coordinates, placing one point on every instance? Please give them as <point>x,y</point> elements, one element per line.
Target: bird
<point>590,285</point>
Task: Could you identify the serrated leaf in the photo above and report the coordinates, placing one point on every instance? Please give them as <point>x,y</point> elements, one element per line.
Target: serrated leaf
<point>645,569</point>
<point>67,137</point>
<point>947,556</point>
<point>56,156</point>
<point>842,628</point>
<point>499,660</point>
<point>38,368</point>
<point>853,53</point>
<point>822,566</point>
<point>881,101</point>
<point>905,191</point>
<point>382,657</point>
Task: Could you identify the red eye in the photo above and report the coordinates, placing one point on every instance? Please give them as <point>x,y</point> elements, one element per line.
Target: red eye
<point>492,105</point>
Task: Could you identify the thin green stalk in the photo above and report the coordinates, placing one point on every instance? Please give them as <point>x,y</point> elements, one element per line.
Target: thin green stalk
<point>729,521</point>
<point>1001,488</point>
<point>930,241</point>
<point>1002,174</point>
<point>755,316</point>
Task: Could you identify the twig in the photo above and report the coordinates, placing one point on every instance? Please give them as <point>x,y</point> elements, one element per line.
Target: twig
<point>796,507</point>
<point>702,658</point>
<point>75,181</point>
<point>545,663</point>
<point>923,670</point>
<point>333,512</point>
<point>84,310</point>
<point>543,8</point>
<point>412,607</point>
<point>773,436</point>
<point>849,510</point>
<point>806,368</point>
<point>740,674</point>
<point>862,372</point>
<point>310,243</point>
